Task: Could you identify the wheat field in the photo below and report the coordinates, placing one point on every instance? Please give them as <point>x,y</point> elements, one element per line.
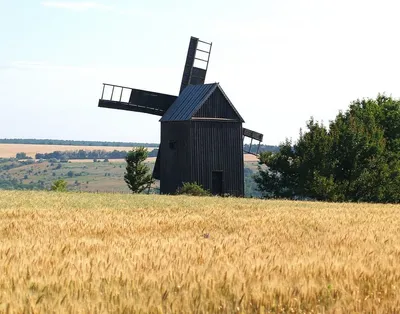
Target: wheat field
<point>10,150</point>
<point>102,253</point>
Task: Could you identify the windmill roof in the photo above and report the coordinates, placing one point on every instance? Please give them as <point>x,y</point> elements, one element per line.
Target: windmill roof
<point>190,101</point>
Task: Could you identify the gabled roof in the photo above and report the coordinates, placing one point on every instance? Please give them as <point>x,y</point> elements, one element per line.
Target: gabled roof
<point>191,100</point>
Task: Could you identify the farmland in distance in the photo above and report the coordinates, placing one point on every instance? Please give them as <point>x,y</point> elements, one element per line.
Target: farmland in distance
<point>80,174</point>
<point>10,150</point>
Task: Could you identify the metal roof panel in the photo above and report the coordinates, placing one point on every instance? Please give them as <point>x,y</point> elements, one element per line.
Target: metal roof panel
<point>188,102</point>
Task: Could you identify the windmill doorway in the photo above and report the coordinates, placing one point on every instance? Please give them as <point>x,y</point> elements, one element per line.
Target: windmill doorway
<point>217,183</point>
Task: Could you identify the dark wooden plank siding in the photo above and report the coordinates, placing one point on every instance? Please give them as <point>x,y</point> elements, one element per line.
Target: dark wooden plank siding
<point>157,166</point>
<point>201,147</point>
<point>216,106</point>
<point>175,161</point>
<point>217,146</point>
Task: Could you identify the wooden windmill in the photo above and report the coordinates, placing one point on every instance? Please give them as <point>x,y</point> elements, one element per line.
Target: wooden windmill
<point>201,131</point>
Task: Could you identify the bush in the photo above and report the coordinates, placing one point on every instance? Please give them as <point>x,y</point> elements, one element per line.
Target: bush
<point>59,186</point>
<point>21,156</point>
<point>193,189</point>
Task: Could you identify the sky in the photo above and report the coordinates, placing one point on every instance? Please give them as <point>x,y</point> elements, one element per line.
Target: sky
<point>279,62</point>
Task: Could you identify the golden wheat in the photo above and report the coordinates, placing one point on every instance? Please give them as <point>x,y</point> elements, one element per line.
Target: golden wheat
<point>10,150</point>
<point>98,253</point>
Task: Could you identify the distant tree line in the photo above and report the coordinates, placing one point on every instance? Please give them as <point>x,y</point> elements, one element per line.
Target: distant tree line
<point>88,154</point>
<point>73,143</point>
<point>263,148</point>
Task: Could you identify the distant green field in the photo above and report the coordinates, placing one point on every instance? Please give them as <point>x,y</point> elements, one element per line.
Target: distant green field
<point>82,175</point>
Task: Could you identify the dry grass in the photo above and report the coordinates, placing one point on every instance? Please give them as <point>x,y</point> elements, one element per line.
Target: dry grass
<point>249,157</point>
<point>97,253</point>
<point>10,150</point>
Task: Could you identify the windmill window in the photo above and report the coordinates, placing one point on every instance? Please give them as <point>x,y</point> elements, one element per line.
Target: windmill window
<point>172,145</point>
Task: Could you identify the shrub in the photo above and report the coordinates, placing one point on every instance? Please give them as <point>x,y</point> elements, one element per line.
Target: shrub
<point>193,189</point>
<point>59,186</point>
<point>21,156</point>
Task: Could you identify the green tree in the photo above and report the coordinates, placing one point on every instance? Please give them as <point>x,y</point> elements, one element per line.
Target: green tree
<point>137,175</point>
<point>21,156</point>
<point>59,186</point>
<point>356,158</point>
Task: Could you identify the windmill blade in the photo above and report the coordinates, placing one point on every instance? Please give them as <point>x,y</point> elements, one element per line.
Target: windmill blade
<point>131,99</point>
<point>253,135</point>
<point>195,75</point>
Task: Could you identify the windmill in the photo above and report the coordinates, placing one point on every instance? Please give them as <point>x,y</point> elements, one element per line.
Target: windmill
<point>201,131</point>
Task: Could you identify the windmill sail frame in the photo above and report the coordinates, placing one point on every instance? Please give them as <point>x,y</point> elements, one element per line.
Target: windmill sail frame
<point>139,100</point>
<point>193,75</point>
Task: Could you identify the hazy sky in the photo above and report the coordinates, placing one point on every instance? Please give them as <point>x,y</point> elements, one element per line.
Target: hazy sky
<point>279,62</point>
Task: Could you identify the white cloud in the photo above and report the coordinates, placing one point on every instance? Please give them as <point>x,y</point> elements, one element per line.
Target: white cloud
<point>76,6</point>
